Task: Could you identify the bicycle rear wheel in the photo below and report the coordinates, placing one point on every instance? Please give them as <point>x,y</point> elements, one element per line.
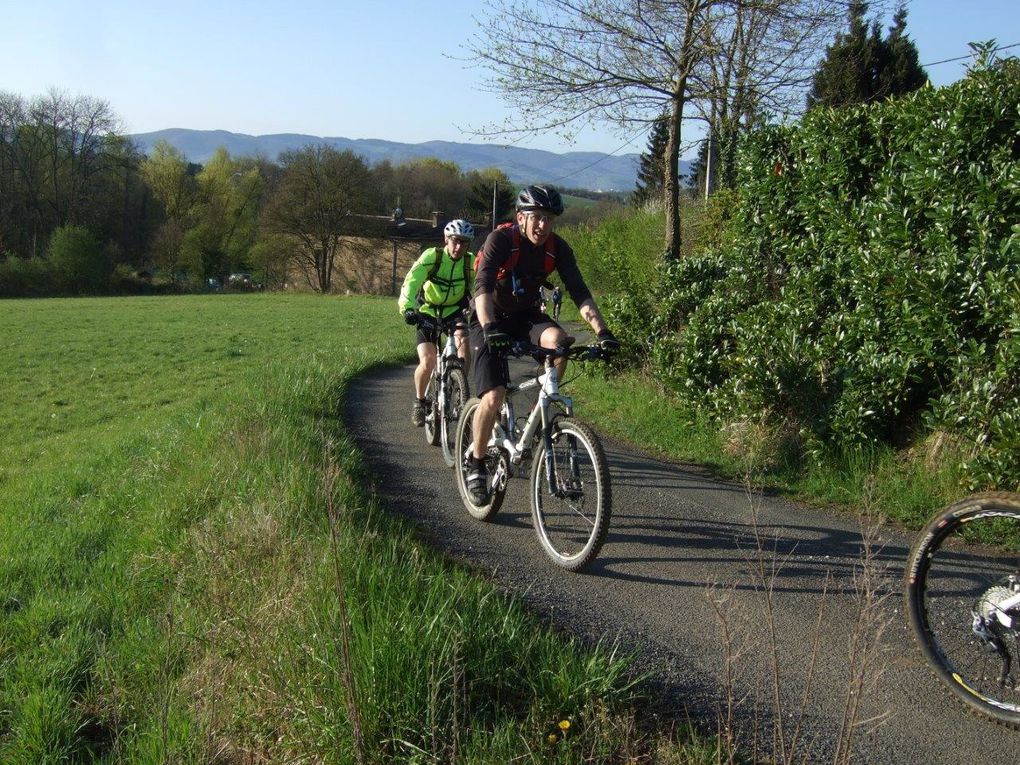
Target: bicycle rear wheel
<point>572,517</point>
<point>495,462</point>
<point>432,413</point>
<point>456,395</point>
<point>962,587</point>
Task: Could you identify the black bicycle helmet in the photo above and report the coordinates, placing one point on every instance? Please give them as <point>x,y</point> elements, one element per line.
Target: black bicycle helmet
<point>540,198</point>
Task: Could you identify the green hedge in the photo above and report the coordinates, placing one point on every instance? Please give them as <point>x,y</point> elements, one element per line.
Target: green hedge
<point>25,277</point>
<point>75,264</point>
<point>866,291</point>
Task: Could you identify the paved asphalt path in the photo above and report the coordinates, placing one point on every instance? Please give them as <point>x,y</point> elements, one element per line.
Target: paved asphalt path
<point>676,533</point>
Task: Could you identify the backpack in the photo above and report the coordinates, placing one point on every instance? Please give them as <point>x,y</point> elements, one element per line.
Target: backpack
<point>515,254</point>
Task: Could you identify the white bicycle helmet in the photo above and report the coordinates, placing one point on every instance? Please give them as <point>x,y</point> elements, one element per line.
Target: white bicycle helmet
<point>460,229</point>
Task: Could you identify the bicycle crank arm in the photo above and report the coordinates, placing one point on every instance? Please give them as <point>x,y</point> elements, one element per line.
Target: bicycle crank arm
<point>499,480</point>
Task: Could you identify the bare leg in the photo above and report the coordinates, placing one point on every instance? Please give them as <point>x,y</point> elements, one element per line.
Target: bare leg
<point>426,363</point>
<point>485,417</point>
<point>552,337</point>
<point>463,347</point>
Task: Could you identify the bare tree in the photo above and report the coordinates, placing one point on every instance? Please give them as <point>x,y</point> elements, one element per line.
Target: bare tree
<point>318,191</point>
<point>56,153</point>
<point>761,56</point>
<point>12,200</point>
<point>565,64</point>
<point>75,130</point>
<point>22,193</point>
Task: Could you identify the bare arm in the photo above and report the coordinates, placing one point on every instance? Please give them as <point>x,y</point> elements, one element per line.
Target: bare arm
<point>590,313</point>
<point>483,308</point>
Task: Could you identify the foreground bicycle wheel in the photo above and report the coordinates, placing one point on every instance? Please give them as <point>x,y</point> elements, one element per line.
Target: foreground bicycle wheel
<point>495,462</point>
<point>963,599</point>
<point>456,395</point>
<point>432,413</point>
<point>572,519</point>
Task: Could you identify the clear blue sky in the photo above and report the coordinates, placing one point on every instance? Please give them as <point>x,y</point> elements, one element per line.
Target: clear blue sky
<point>329,68</point>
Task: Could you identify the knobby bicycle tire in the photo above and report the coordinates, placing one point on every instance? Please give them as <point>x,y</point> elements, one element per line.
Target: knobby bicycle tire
<point>493,459</point>
<point>456,396</point>
<point>958,573</point>
<point>432,413</point>
<point>572,520</point>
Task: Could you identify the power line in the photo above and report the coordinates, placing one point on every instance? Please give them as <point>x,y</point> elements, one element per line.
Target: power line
<point>649,127</point>
<point>604,157</point>
<point>964,58</point>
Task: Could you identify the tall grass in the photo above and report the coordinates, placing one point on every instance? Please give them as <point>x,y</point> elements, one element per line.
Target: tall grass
<point>168,477</point>
<point>903,486</point>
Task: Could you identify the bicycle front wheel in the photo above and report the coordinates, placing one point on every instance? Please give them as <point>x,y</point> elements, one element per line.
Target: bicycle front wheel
<point>432,413</point>
<point>571,498</point>
<point>962,587</point>
<point>456,396</point>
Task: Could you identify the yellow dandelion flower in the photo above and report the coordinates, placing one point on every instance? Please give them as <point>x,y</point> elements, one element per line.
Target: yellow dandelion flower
<point>552,738</point>
<point>564,725</point>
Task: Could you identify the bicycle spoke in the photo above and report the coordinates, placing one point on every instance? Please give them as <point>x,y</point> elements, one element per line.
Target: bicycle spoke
<point>456,395</point>
<point>493,462</point>
<point>963,596</point>
<point>431,422</point>
<point>572,518</point>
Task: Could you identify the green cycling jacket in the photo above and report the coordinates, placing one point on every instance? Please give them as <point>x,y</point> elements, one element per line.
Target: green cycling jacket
<point>438,291</point>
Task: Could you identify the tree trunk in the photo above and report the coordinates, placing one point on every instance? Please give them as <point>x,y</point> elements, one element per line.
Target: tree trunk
<point>671,181</point>
<point>671,167</point>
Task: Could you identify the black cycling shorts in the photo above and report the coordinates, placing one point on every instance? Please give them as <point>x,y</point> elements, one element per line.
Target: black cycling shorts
<point>428,335</point>
<point>487,370</point>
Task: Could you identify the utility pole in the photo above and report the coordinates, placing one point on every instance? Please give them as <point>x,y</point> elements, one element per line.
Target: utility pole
<point>393,278</point>
<point>708,164</point>
<point>495,185</point>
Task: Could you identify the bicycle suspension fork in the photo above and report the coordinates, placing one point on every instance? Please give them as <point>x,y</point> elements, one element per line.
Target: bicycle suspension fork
<point>550,391</point>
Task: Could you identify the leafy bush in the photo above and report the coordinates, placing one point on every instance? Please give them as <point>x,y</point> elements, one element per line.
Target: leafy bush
<point>619,253</point>
<point>79,261</point>
<point>866,287</point>
<point>25,277</point>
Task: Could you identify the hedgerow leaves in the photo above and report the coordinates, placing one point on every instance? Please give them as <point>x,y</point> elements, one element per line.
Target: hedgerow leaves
<point>867,290</point>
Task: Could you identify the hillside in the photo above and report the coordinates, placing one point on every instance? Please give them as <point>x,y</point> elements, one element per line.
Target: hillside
<point>579,169</point>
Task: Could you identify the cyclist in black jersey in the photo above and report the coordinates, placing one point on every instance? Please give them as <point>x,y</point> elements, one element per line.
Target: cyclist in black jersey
<point>513,265</point>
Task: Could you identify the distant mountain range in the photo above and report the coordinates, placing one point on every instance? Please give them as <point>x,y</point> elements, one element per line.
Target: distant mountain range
<point>576,169</point>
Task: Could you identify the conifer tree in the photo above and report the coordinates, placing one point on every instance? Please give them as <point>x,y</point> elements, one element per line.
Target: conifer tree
<point>860,67</point>
<point>650,171</point>
<point>695,178</point>
<point>901,71</point>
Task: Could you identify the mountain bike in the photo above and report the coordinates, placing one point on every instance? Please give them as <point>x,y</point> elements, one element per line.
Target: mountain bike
<point>447,389</point>
<point>569,489</point>
<point>962,587</point>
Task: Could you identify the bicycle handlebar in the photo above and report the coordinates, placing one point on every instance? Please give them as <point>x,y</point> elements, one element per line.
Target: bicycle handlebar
<point>520,348</point>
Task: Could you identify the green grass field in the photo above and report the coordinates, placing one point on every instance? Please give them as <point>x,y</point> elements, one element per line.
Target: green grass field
<point>188,530</point>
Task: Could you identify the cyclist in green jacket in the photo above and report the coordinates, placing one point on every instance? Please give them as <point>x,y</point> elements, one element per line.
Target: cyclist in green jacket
<point>438,286</point>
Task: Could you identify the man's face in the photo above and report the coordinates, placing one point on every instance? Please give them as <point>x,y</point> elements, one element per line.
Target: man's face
<point>456,247</point>
<point>536,225</point>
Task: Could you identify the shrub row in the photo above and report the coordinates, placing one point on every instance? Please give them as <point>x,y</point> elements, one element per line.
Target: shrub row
<point>75,264</point>
<point>866,289</point>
